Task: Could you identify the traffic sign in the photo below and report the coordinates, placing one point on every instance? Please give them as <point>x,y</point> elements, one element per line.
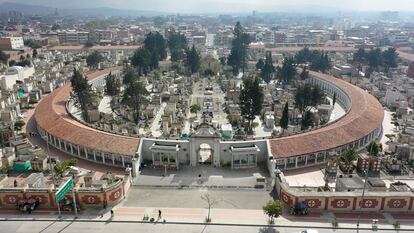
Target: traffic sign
<point>60,194</point>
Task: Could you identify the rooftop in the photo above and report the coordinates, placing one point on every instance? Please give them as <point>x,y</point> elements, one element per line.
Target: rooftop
<point>51,115</point>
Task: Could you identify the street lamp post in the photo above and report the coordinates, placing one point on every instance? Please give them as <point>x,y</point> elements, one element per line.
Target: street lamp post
<point>49,158</point>
<point>362,198</point>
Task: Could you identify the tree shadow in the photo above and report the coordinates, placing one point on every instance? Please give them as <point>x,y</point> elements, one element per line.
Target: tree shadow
<point>67,225</point>
<point>46,227</point>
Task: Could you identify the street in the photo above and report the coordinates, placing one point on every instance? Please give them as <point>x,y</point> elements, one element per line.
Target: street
<point>126,227</point>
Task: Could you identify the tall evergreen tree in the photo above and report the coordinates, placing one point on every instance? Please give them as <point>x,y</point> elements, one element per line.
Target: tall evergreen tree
<point>4,57</point>
<point>177,43</point>
<point>142,60</point>
<point>251,100</point>
<point>268,68</point>
<point>81,91</point>
<point>284,120</point>
<point>34,53</point>
<point>238,54</point>
<point>307,120</point>
<point>94,59</point>
<point>193,60</point>
<point>260,64</point>
<point>113,85</point>
<point>288,70</point>
<point>156,44</point>
<point>390,58</point>
<point>305,73</point>
<point>134,96</point>
<point>129,75</point>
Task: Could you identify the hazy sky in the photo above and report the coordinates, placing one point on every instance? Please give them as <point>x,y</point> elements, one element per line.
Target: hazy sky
<point>224,5</point>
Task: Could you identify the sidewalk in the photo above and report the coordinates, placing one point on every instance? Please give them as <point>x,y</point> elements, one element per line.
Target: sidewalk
<point>219,216</point>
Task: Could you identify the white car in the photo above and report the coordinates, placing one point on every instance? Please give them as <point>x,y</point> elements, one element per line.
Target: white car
<point>309,231</point>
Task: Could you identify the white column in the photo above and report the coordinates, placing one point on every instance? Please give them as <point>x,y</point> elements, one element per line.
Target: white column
<point>113,160</point>
<point>296,161</point>
<point>103,157</point>
<point>94,155</point>
<point>79,151</point>
<point>286,161</point>
<point>306,160</point>
<point>71,148</point>
<point>86,153</point>
<point>123,161</point>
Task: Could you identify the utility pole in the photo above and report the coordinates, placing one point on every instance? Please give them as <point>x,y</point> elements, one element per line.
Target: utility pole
<point>49,158</point>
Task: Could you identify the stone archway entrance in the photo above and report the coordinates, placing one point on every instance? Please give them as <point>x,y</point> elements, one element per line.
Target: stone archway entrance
<point>205,154</point>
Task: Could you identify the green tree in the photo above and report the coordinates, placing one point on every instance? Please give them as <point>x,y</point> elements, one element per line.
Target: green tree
<point>142,60</point>
<point>223,61</point>
<point>177,43</point>
<point>129,75</point>
<point>284,120</point>
<point>268,68</point>
<point>374,148</point>
<point>390,58</point>
<point>308,96</point>
<point>374,58</point>
<point>33,44</point>
<point>320,61</point>
<point>260,64</point>
<point>195,108</point>
<point>4,57</point>
<point>34,53</point>
<point>348,156</point>
<point>287,72</point>
<point>89,44</point>
<point>62,167</point>
<point>112,85</point>
<point>308,120</point>
<point>193,60</point>
<point>273,209</point>
<point>12,63</point>
<point>18,125</point>
<point>303,56</point>
<point>251,100</point>
<point>134,96</point>
<point>238,54</point>
<point>317,96</point>
<point>55,27</point>
<point>94,59</point>
<point>156,45</point>
<point>303,97</point>
<point>359,56</point>
<point>305,73</point>
<point>82,93</point>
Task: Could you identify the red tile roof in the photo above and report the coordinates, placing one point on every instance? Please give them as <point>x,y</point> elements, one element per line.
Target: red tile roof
<point>365,115</point>
<point>51,115</point>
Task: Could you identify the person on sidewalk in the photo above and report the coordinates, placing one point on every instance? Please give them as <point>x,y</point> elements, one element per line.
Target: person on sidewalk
<point>159,214</point>
<point>112,213</point>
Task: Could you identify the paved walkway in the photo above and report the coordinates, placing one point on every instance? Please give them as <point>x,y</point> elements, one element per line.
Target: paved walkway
<point>218,216</point>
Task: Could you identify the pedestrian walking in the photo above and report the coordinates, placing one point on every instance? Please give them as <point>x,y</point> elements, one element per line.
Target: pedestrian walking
<point>159,214</point>
<point>112,213</point>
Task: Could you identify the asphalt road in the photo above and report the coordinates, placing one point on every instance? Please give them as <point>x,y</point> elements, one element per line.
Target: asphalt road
<point>104,227</point>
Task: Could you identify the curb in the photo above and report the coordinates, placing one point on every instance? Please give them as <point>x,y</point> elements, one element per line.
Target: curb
<point>195,223</point>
